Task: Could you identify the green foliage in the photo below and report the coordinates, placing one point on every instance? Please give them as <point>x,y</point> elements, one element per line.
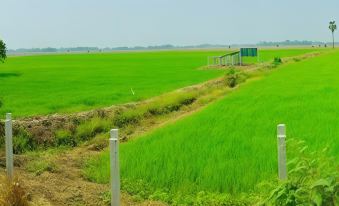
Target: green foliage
<point>230,146</point>
<point>232,77</point>
<point>3,51</point>
<point>313,179</point>
<point>99,142</point>
<point>149,74</point>
<point>43,160</point>
<point>65,137</point>
<point>235,77</point>
<point>90,128</point>
<point>159,106</point>
<point>141,191</point>
<point>170,103</point>
<point>332,26</point>
<point>23,142</point>
<point>277,61</point>
<point>91,171</point>
<point>128,117</point>
<point>1,103</point>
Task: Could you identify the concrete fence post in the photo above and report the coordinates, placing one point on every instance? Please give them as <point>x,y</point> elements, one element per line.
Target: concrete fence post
<point>115,169</point>
<point>281,137</point>
<point>9,145</point>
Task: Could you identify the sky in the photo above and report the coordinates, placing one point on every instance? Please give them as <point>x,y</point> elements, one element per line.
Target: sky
<point>115,23</point>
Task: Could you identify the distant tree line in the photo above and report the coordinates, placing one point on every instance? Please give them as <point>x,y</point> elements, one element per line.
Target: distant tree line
<point>167,46</point>
<point>291,43</point>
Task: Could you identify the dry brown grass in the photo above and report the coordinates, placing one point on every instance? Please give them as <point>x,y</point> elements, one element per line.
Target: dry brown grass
<point>12,193</point>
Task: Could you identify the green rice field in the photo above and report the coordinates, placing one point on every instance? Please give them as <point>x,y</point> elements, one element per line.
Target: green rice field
<point>230,146</point>
<point>65,83</point>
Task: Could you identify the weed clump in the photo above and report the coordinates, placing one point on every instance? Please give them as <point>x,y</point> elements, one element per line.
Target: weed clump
<point>38,167</point>
<point>65,137</point>
<point>128,117</point>
<point>12,193</point>
<point>235,77</point>
<point>99,142</point>
<point>276,62</point>
<point>170,104</point>
<point>88,129</point>
<point>157,107</point>
<point>23,141</point>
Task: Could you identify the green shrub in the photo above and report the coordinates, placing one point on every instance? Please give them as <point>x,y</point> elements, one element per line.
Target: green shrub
<point>90,128</point>
<point>277,61</point>
<point>313,179</point>
<point>23,142</point>
<point>99,142</point>
<point>65,137</point>
<point>171,103</point>
<point>235,77</point>
<point>159,106</point>
<point>128,117</point>
<point>1,103</point>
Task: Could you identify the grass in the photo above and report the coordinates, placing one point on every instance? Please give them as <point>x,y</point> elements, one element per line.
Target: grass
<point>230,146</point>
<point>12,192</point>
<point>65,83</point>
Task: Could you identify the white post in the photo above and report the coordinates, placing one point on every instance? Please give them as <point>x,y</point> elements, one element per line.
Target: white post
<point>281,136</point>
<point>115,170</point>
<point>9,145</point>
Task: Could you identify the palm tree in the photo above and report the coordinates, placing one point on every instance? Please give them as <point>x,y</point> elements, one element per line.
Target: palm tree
<point>2,51</point>
<point>332,27</point>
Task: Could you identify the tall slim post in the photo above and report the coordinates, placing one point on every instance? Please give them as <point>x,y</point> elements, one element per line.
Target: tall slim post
<point>115,170</point>
<point>281,136</point>
<point>240,60</point>
<point>9,145</point>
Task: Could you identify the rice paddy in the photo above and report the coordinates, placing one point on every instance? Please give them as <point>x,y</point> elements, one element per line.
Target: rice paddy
<point>65,83</point>
<point>230,146</point>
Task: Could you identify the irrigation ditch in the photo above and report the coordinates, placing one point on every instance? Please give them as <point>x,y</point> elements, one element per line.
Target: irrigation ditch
<point>62,142</point>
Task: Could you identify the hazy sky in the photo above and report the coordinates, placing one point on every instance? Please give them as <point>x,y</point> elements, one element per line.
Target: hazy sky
<point>113,23</point>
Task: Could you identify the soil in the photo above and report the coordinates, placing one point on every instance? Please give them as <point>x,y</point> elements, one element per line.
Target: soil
<point>66,185</point>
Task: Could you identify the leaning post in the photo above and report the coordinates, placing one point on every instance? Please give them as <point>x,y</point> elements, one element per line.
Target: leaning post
<point>281,137</point>
<point>114,165</point>
<point>9,145</point>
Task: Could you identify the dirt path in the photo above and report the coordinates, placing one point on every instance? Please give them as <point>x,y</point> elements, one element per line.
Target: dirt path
<point>64,184</point>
